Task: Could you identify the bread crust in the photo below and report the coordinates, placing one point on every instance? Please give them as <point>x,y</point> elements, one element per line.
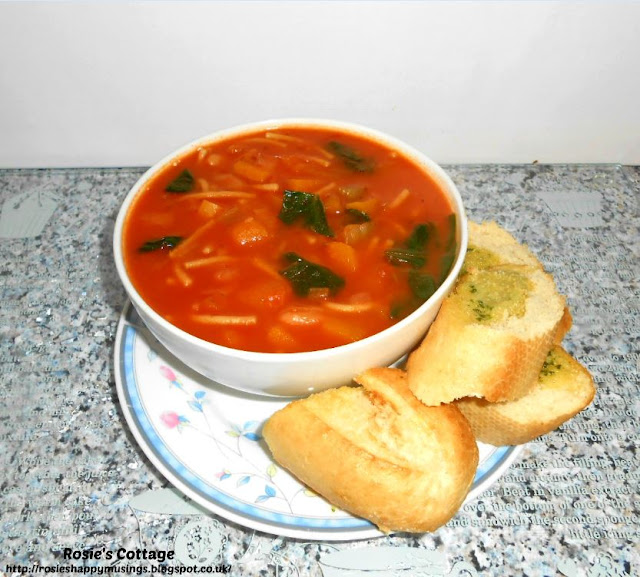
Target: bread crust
<point>380,474</point>
<point>564,325</point>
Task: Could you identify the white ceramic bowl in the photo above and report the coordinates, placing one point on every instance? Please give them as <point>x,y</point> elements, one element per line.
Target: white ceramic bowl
<point>295,374</point>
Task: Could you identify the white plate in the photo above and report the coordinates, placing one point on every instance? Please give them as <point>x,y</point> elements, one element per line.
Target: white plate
<point>205,439</point>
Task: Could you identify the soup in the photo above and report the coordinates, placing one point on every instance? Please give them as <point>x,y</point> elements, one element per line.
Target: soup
<point>289,240</point>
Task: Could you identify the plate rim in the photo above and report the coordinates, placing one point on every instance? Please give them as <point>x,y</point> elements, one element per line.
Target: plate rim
<point>493,468</point>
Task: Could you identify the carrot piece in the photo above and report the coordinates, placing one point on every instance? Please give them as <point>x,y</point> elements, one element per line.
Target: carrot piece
<point>208,209</point>
<point>303,184</point>
<point>251,171</point>
<point>267,218</point>
<point>344,328</point>
<point>249,232</point>
<point>228,181</point>
<point>270,293</point>
<point>367,206</point>
<point>343,257</point>
<point>353,192</point>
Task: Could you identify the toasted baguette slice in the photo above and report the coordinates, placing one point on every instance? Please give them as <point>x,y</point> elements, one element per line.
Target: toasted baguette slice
<point>564,388</point>
<point>377,452</point>
<point>494,330</point>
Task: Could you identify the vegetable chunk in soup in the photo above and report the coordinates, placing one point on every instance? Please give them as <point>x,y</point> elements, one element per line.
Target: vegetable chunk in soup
<point>289,240</point>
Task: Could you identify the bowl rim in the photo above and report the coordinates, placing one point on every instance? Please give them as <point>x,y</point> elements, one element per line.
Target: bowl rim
<point>433,169</point>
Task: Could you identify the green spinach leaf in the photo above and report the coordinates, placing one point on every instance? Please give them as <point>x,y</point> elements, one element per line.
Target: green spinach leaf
<point>307,207</point>
<point>184,182</point>
<point>400,309</point>
<point>446,262</point>
<point>161,243</point>
<point>419,236</point>
<point>355,216</point>
<point>413,252</point>
<point>451,237</point>
<point>399,256</point>
<point>352,160</point>
<point>422,284</point>
<point>305,275</point>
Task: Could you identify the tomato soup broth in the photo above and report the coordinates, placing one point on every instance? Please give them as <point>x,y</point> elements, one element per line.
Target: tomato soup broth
<point>289,240</point>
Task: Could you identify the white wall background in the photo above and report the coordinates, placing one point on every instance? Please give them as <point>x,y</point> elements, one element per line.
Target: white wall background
<point>121,84</point>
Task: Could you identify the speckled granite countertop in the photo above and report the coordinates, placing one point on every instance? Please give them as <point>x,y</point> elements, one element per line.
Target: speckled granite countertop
<point>70,467</point>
